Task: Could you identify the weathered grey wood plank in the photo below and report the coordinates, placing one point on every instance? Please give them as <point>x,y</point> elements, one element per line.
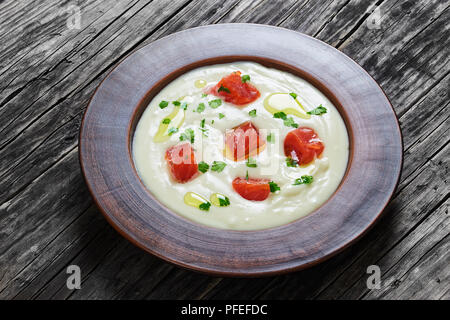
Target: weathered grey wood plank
<point>407,54</point>
<point>123,265</point>
<point>18,232</point>
<point>89,91</point>
<point>66,65</point>
<point>446,295</point>
<point>53,137</point>
<point>332,278</point>
<point>414,124</point>
<point>52,37</point>
<point>61,251</point>
<point>394,84</point>
<point>422,139</point>
<point>430,277</point>
<point>87,260</point>
<point>411,48</point>
<point>195,10</point>
<point>433,128</point>
<point>33,220</point>
<point>417,201</point>
<point>411,253</point>
<point>214,12</point>
<point>56,108</point>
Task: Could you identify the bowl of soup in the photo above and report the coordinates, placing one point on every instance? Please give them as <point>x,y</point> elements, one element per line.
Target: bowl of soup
<point>256,152</point>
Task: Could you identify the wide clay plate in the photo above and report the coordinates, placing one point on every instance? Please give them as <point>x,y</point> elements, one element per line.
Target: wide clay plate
<point>372,173</point>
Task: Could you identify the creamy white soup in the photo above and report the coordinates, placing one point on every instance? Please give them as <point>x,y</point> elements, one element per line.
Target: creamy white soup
<point>289,164</point>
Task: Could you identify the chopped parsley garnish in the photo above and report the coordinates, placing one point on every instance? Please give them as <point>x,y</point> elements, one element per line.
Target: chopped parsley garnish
<point>212,121</point>
<point>222,88</point>
<point>172,131</point>
<point>205,206</point>
<point>204,95</point>
<point>288,122</point>
<point>215,103</point>
<point>318,111</point>
<point>176,103</point>
<point>202,128</point>
<point>201,107</point>
<point>221,115</point>
<point>273,186</point>
<point>224,202</point>
<point>184,106</point>
<point>303,180</point>
<point>291,162</point>
<point>218,166</point>
<point>293,95</point>
<point>252,113</point>
<point>245,78</point>
<point>188,135</point>
<point>203,166</point>
<point>166,121</point>
<point>246,176</point>
<point>270,138</point>
<point>163,104</point>
<point>280,115</point>
<point>251,163</point>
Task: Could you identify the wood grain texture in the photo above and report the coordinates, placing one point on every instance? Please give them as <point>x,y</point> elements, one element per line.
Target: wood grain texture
<point>373,171</point>
<point>407,56</point>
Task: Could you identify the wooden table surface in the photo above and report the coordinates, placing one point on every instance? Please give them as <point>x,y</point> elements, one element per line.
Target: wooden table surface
<point>50,66</point>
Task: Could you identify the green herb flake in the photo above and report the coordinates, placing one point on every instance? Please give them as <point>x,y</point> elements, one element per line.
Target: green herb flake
<point>215,103</point>
<point>224,202</point>
<point>303,180</point>
<point>280,115</point>
<point>172,131</point>
<point>201,107</point>
<point>289,122</point>
<point>205,206</point>
<point>318,111</point>
<point>273,187</point>
<point>221,115</point>
<point>204,95</point>
<point>293,95</point>
<point>188,135</point>
<point>291,162</point>
<point>246,176</point>
<point>163,104</point>
<point>176,103</point>
<point>222,88</point>
<point>218,166</point>
<point>203,166</point>
<point>184,106</point>
<point>270,138</point>
<point>202,123</point>
<point>251,163</point>
<point>166,121</point>
<point>212,121</point>
<point>245,78</point>
<point>252,113</point>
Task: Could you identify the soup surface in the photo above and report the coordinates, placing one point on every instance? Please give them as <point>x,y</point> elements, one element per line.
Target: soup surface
<point>241,146</point>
